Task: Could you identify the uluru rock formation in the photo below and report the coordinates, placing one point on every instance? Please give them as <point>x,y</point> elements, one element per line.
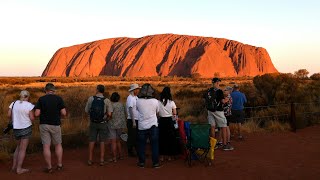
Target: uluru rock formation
<point>160,55</point>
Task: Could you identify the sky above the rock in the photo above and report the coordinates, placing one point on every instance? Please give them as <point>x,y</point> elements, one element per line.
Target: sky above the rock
<point>32,30</point>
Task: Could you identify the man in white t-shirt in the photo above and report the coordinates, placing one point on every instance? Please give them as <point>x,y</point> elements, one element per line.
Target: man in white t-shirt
<point>131,108</point>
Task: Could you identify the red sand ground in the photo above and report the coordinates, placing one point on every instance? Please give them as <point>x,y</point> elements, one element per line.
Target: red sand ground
<point>261,156</point>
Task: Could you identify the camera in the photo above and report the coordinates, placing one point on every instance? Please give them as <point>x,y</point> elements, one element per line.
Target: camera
<point>8,128</point>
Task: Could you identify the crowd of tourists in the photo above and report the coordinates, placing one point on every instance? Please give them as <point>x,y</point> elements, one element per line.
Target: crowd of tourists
<point>142,119</point>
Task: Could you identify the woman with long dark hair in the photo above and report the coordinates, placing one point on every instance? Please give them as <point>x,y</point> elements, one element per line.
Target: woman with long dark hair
<point>168,146</point>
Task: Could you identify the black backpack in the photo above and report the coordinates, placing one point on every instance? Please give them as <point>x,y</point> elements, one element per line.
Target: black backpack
<point>210,98</point>
<point>97,109</point>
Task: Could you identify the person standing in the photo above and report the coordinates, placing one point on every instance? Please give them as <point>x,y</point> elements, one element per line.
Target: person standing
<point>50,108</point>
<point>227,109</point>
<point>131,108</point>
<point>168,146</point>
<point>99,109</point>
<point>148,108</point>
<point>216,115</point>
<point>22,115</point>
<point>116,125</point>
<point>239,99</point>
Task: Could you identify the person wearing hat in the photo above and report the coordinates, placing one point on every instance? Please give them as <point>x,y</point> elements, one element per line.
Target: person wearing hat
<point>50,108</point>
<point>22,115</point>
<point>148,109</point>
<point>239,99</point>
<point>131,108</point>
<point>216,117</point>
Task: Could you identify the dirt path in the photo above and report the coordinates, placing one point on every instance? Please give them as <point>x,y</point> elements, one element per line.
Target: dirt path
<point>260,156</point>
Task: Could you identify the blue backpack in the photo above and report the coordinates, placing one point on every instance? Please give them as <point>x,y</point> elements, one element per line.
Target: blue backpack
<point>97,109</point>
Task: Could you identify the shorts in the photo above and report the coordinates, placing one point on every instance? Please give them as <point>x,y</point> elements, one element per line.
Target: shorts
<point>50,133</point>
<point>237,116</point>
<point>22,133</point>
<point>98,132</point>
<point>114,133</point>
<point>217,118</point>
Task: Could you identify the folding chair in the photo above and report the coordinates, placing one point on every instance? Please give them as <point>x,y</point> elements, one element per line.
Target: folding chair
<point>198,143</point>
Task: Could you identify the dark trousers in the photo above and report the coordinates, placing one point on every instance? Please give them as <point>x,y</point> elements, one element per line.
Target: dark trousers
<point>168,142</point>
<point>132,137</point>
<point>153,135</point>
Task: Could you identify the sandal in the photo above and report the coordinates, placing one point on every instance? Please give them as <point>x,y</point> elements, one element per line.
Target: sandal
<point>48,170</point>
<point>24,171</point>
<point>59,168</point>
<point>102,163</point>
<point>89,162</point>
<point>113,160</point>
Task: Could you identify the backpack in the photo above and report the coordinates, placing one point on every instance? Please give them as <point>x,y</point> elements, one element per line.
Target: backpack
<point>210,98</point>
<point>97,109</point>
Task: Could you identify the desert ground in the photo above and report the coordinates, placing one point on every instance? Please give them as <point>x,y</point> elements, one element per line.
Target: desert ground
<point>282,155</point>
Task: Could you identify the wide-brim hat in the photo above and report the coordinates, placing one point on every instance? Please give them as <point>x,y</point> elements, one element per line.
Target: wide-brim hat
<point>133,87</point>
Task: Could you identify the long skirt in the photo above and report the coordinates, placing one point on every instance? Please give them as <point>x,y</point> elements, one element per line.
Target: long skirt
<point>168,138</point>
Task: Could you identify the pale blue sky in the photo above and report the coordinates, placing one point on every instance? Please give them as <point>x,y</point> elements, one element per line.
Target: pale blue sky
<point>32,30</point>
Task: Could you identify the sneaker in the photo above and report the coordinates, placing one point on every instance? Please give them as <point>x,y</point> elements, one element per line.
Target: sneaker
<point>156,166</point>
<point>140,165</point>
<point>227,147</point>
<point>218,145</point>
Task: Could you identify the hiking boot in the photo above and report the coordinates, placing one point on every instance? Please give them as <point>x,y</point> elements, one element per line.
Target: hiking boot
<point>227,147</point>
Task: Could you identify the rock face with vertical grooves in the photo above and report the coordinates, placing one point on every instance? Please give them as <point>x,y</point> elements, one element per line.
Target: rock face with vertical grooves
<point>160,55</point>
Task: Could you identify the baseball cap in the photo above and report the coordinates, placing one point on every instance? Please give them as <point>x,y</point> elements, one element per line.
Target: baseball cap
<point>50,87</point>
<point>214,80</point>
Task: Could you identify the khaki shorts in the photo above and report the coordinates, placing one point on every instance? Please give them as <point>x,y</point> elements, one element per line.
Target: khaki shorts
<point>50,133</point>
<point>217,119</point>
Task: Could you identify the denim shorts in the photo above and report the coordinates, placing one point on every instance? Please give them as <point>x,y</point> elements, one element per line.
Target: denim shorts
<point>22,133</point>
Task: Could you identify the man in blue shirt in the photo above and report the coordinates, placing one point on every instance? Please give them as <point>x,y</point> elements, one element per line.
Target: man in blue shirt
<point>238,101</point>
